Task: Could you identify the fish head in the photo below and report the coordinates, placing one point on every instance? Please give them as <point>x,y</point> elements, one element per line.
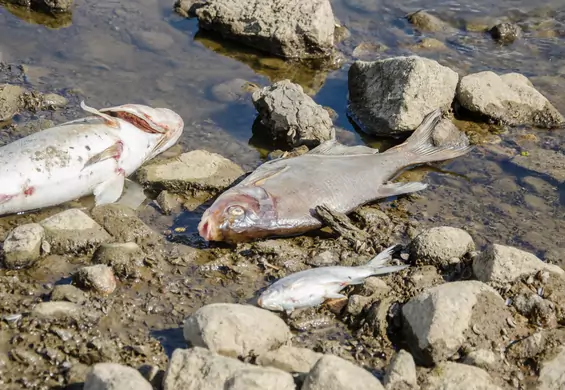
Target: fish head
<point>273,299</point>
<point>162,121</point>
<point>238,215</point>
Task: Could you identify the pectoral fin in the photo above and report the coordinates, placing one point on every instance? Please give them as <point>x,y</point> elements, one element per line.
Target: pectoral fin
<point>114,151</point>
<point>109,191</point>
<point>393,189</point>
<point>110,121</point>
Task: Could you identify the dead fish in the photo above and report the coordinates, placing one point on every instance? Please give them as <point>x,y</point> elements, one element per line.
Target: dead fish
<point>312,287</point>
<point>88,156</point>
<point>279,197</point>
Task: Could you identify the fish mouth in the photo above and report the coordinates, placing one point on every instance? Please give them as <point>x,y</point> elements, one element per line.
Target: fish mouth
<point>207,228</point>
<point>260,302</point>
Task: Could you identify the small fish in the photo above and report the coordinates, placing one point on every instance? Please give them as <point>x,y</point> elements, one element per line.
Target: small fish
<point>88,156</point>
<point>279,197</point>
<point>312,287</point>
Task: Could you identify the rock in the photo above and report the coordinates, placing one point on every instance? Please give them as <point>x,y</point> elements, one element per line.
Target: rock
<point>368,50</point>
<point>236,330</point>
<point>124,258</point>
<point>9,100</point>
<point>56,309</point>
<point>22,247</point>
<point>68,292</point>
<point>430,44</point>
<point>482,358</point>
<point>499,264</point>
<point>201,369</point>
<point>552,375</point>
<point>167,202</point>
<point>449,375</point>
<point>506,33</point>
<point>153,40</point>
<point>401,372</point>
<point>438,319</point>
<point>543,161</point>
<point>73,231</point>
<point>232,91</point>
<point>540,311</point>
<point>112,376</point>
<point>286,28</point>
<point>427,22</point>
<point>99,278</point>
<point>260,380</point>
<point>124,225</point>
<point>510,98</point>
<point>447,134</point>
<point>198,170</point>
<point>187,8</point>
<point>333,373</point>
<point>442,245</point>
<point>291,116</point>
<point>55,6</point>
<point>394,95</point>
<point>52,101</point>
<point>290,359</point>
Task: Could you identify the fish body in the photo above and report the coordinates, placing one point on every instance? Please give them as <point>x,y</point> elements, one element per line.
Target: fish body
<point>82,157</point>
<point>279,197</point>
<point>312,287</point>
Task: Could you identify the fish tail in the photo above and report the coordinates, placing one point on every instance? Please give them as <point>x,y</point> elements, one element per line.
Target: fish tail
<point>419,147</point>
<point>377,264</point>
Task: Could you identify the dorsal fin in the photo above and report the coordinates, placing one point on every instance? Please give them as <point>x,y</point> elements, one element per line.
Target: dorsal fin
<point>110,121</point>
<point>333,147</point>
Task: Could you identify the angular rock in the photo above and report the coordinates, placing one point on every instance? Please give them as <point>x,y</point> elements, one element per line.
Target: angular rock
<point>99,278</point>
<point>290,359</point>
<point>112,376</point>
<point>543,161</point>
<point>9,100</point>
<point>22,247</point>
<point>198,170</point>
<point>401,373</point>
<point>68,292</point>
<point>201,369</point>
<point>236,330</point>
<point>124,258</point>
<point>291,116</point>
<point>552,374</point>
<point>447,134</point>
<point>333,373</point>
<point>499,264</point>
<point>510,98</point>
<point>449,375</point>
<point>437,320</point>
<point>73,231</point>
<point>167,202</point>
<point>124,225</point>
<point>393,95</point>
<point>267,378</point>
<point>56,309</point>
<point>286,28</point>
<point>442,245</point>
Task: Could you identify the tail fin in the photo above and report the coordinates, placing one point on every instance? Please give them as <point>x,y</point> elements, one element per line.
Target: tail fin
<point>377,264</point>
<point>419,147</point>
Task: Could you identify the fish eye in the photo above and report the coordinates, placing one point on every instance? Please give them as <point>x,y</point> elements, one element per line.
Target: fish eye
<point>236,211</point>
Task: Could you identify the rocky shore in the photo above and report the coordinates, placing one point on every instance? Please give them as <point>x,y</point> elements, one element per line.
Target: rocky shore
<point>96,298</point>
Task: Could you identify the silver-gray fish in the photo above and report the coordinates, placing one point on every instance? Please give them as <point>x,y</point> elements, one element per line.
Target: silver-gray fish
<point>279,197</point>
<point>312,287</point>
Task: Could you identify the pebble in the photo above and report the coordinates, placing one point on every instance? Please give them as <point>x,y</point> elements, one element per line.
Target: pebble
<point>112,376</point>
<point>68,292</point>
<point>22,247</point>
<point>99,278</point>
<point>56,309</point>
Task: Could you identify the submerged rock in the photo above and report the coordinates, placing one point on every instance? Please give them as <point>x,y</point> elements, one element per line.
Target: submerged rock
<point>332,372</point>
<point>198,170</point>
<point>236,330</point>
<point>450,375</point>
<point>291,116</point>
<point>442,245</point>
<point>499,264</point>
<point>394,95</point>
<point>73,231</point>
<point>505,33</point>
<point>427,22</point>
<point>200,369</point>
<point>112,376</point>
<point>510,98</point>
<point>22,247</point>
<point>286,28</point>
<point>439,318</point>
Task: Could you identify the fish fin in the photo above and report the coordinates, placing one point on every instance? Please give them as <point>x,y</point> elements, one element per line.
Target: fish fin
<point>265,173</point>
<point>109,191</point>
<point>110,121</point>
<point>419,148</point>
<point>392,189</point>
<point>334,295</point>
<point>133,195</point>
<point>333,147</point>
<point>114,151</point>
<point>381,259</point>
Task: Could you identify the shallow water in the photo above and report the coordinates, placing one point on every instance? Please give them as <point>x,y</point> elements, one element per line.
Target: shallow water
<point>140,51</point>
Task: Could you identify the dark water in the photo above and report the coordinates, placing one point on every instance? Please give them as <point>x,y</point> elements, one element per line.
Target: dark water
<point>112,52</point>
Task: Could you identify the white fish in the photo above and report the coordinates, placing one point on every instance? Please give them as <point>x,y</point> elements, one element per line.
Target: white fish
<point>312,287</point>
<point>89,156</point>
